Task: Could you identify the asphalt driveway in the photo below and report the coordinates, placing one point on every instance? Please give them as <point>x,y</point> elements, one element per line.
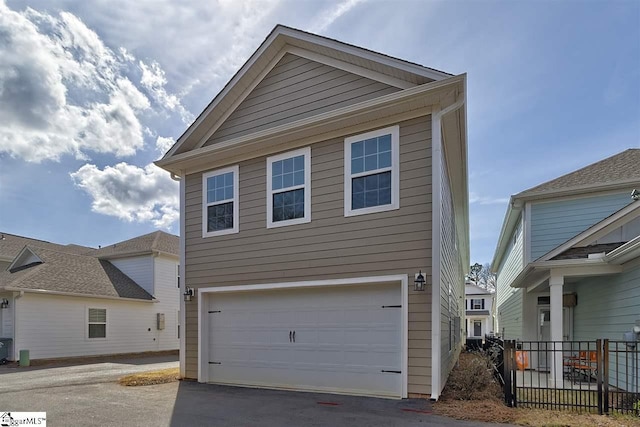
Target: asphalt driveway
<point>87,395</point>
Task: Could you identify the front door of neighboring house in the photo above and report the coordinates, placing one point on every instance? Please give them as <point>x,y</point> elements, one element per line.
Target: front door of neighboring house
<point>544,332</point>
<point>477,328</point>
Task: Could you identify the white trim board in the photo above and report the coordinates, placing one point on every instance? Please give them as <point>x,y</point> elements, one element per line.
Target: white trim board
<point>205,293</point>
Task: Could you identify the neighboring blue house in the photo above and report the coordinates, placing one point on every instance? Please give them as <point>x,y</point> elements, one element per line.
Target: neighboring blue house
<point>568,257</point>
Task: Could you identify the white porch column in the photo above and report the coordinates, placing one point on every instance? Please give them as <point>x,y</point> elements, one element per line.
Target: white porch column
<point>555,286</point>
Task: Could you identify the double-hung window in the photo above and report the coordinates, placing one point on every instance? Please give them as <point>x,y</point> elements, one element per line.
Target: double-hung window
<point>372,171</point>
<point>220,202</point>
<point>97,323</point>
<point>289,188</point>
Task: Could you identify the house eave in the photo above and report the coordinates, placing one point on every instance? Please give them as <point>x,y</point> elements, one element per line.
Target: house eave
<point>371,113</point>
<point>576,190</point>
<point>74,294</point>
<point>276,43</point>
<point>510,218</point>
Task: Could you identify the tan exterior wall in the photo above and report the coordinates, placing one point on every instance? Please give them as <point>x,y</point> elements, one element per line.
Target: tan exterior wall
<point>330,246</point>
<point>294,89</point>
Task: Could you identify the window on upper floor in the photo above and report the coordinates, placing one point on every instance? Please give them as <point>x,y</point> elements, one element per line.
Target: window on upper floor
<point>289,188</point>
<point>372,170</point>
<point>477,304</point>
<point>220,202</point>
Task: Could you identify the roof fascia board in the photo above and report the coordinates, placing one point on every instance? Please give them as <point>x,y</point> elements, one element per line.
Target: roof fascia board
<point>396,98</point>
<point>152,252</point>
<point>510,218</point>
<point>598,230</point>
<point>576,191</point>
<point>366,54</point>
<point>72,294</point>
<point>625,252</point>
<point>350,68</point>
<point>227,88</point>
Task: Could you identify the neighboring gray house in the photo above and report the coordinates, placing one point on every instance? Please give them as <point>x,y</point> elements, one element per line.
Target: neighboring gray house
<point>479,310</point>
<point>69,300</point>
<point>315,187</point>
<point>567,260</point>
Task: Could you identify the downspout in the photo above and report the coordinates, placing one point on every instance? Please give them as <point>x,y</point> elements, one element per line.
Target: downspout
<point>15,324</point>
<point>436,244</point>
<point>183,281</point>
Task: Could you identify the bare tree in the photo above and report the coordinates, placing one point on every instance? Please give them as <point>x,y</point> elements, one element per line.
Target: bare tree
<point>482,276</point>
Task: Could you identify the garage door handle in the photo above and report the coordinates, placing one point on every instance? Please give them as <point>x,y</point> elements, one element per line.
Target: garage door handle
<point>294,336</point>
<point>290,336</point>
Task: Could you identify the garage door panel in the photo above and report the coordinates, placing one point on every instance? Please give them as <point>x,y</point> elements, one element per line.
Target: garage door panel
<point>344,339</point>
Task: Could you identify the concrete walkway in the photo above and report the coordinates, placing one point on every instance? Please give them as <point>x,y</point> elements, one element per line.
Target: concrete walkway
<point>13,378</point>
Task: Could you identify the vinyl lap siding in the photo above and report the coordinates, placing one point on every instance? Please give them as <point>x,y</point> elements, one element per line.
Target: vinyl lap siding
<point>451,282</point>
<point>330,246</point>
<point>297,88</point>
<point>608,307</point>
<point>553,223</point>
<point>168,296</point>
<point>139,269</point>
<point>509,300</point>
<point>52,326</point>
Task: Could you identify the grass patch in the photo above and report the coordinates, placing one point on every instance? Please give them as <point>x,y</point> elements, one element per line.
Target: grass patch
<point>150,378</point>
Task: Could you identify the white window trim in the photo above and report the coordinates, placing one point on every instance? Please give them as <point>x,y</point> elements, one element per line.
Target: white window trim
<point>306,152</point>
<point>236,208</point>
<point>395,171</point>
<point>106,323</point>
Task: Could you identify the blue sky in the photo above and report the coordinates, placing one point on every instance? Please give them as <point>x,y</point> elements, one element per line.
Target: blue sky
<point>92,92</point>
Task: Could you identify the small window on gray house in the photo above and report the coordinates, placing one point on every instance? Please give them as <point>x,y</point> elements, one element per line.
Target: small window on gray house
<point>97,323</point>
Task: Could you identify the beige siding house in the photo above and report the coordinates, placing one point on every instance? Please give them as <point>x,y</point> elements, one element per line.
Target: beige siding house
<point>315,187</point>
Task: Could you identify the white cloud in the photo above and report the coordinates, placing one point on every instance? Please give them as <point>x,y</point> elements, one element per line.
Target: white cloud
<point>483,200</point>
<point>63,92</point>
<point>164,144</point>
<point>154,80</point>
<point>131,193</point>
<point>328,17</point>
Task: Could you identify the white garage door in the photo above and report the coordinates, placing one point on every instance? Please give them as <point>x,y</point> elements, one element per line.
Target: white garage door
<point>343,339</point>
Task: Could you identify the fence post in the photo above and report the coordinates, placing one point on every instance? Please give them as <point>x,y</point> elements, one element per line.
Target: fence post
<point>507,369</point>
<point>605,375</point>
<point>599,364</point>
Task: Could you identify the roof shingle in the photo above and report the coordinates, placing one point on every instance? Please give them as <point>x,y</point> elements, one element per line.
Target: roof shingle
<point>158,241</point>
<point>75,274</point>
<point>621,167</point>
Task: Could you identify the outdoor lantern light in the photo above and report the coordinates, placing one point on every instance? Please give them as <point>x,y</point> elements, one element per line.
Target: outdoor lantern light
<point>188,293</point>
<point>419,282</point>
<point>4,303</point>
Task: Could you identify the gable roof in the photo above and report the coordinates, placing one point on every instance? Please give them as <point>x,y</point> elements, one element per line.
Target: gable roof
<point>619,168</point>
<point>67,273</point>
<point>282,40</point>
<point>156,242</point>
<point>618,172</point>
<point>12,244</point>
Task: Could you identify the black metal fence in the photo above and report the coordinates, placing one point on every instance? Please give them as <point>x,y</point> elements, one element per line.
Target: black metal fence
<point>589,376</point>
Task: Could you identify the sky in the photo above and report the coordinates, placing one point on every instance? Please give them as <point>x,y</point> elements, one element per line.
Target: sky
<point>91,93</point>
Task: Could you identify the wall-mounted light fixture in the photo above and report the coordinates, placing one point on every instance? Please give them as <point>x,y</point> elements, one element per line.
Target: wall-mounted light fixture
<point>419,282</point>
<point>4,303</point>
<point>188,294</point>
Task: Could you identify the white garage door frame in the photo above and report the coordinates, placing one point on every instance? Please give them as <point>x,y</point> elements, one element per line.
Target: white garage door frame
<point>205,294</point>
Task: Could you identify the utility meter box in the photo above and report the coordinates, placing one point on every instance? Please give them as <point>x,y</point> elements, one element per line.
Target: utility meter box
<point>630,338</point>
<point>160,321</point>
